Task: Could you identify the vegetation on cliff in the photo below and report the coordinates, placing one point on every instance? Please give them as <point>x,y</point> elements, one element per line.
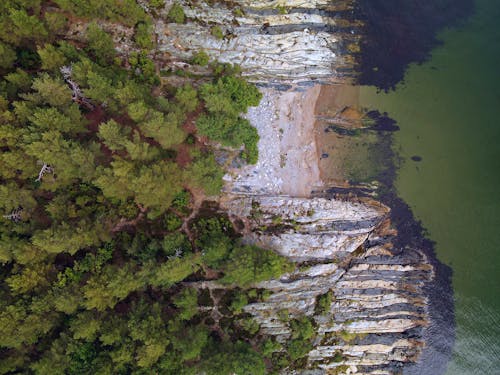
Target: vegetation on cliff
<point>100,167</point>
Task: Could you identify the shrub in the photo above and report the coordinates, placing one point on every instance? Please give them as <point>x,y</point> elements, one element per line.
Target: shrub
<point>143,35</point>
<point>172,222</point>
<point>157,3</point>
<point>239,301</point>
<point>298,348</point>
<point>323,303</point>
<point>270,346</point>
<point>302,328</point>
<point>200,58</point>
<point>176,14</point>
<point>216,31</point>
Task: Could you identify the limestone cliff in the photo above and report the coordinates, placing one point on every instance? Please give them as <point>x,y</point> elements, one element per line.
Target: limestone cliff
<point>273,41</point>
<point>374,321</point>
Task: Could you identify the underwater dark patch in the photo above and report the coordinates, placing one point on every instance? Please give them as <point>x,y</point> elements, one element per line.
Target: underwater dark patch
<point>400,32</point>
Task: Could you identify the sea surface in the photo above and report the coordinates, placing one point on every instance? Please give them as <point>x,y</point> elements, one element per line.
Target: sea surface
<point>447,106</point>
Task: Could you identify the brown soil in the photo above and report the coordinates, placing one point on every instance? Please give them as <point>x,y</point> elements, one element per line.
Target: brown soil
<point>95,117</point>
<point>183,157</point>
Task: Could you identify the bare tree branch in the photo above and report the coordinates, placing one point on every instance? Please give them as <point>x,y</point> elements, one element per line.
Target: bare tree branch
<point>77,96</point>
<point>15,215</point>
<point>45,169</point>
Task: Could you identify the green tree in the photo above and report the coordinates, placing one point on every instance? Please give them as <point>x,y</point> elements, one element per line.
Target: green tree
<point>7,56</point>
<point>53,92</point>
<point>51,58</point>
<point>187,302</point>
<point>187,97</point>
<point>175,270</point>
<point>237,358</point>
<point>251,264</point>
<point>66,238</point>
<point>189,341</point>
<point>143,35</point>
<point>30,279</point>
<point>113,135</point>
<point>214,240</point>
<point>113,284</point>
<point>165,131</point>
<point>204,173</point>
<point>25,26</point>
<point>100,44</point>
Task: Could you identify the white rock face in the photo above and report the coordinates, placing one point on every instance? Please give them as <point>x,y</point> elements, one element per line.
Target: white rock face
<point>273,41</point>
<point>378,296</point>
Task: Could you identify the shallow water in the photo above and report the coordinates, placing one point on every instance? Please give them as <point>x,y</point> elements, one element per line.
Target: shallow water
<point>448,109</point>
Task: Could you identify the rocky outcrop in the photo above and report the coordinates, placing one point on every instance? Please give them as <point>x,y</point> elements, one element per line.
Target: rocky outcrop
<point>273,41</point>
<point>341,246</point>
<point>374,322</point>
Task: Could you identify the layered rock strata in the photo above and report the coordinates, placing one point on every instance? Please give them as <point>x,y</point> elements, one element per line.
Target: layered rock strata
<point>273,41</point>
<point>374,322</point>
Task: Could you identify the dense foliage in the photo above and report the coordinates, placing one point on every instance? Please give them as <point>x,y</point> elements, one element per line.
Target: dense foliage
<point>101,257</point>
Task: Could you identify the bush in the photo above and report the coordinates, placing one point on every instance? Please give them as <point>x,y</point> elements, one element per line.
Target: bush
<point>172,222</point>
<point>216,31</point>
<point>176,14</point>
<point>181,200</point>
<point>298,348</point>
<point>302,328</point>
<point>143,35</point>
<point>323,303</point>
<point>269,347</point>
<point>239,301</point>
<point>157,3</point>
<point>200,58</point>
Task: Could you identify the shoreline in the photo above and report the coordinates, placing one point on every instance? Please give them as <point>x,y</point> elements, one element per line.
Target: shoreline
<point>288,155</point>
<point>291,207</point>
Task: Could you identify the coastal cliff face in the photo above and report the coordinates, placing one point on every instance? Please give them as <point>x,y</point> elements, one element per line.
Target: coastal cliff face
<point>374,322</point>
<point>378,309</point>
<point>273,41</point>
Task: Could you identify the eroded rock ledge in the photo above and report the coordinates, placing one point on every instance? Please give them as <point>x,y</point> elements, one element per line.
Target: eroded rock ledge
<point>344,246</point>
<point>296,41</point>
<point>374,322</point>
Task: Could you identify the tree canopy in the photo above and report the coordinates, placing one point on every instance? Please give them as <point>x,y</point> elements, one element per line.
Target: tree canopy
<point>101,172</point>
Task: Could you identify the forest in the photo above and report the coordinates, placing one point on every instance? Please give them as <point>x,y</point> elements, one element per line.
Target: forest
<point>101,246</point>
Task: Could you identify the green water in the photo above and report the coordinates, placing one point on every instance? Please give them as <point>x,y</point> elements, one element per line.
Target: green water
<point>449,113</point>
